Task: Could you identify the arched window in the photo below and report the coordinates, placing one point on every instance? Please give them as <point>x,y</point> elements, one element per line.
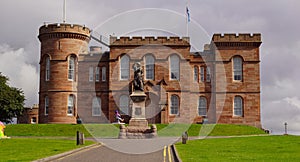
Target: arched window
<point>96,106</point>
<point>238,106</point>
<point>47,77</point>
<point>237,68</point>
<point>174,67</point>
<point>202,106</point>
<point>97,74</point>
<point>202,73</point>
<point>103,74</point>
<point>149,63</point>
<point>196,74</point>
<point>46,105</point>
<point>208,74</point>
<point>91,74</point>
<point>71,68</point>
<point>124,104</point>
<point>174,110</point>
<point>124,68</point>
<point>70,105</point>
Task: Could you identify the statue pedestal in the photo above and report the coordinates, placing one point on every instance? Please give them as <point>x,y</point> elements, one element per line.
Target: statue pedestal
<point>138,125</point>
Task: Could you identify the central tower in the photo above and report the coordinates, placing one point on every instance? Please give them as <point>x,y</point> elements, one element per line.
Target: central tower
<point>61,45</point>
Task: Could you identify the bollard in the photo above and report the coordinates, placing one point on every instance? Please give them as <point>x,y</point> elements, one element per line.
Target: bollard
<point>184,137</point>
<point>79,138</point>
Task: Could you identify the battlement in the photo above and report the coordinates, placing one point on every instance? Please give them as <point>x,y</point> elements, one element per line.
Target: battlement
<point>64,31</point>
<point>240,37</point>
<point>168,41</point>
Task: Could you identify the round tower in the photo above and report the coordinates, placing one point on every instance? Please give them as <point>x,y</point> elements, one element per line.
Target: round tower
<point>61,45</point>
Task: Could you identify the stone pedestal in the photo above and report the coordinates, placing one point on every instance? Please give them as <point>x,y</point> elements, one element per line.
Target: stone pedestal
<point>138,125</point>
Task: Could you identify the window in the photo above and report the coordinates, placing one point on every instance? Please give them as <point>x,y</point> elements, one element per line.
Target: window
<point>96,106</point>
<point>70,105</point>
<point>124,104</point>
<point>71,69</point>
<point>238,106</point>
<point>149,61</point>
<point>237,68</point>
<point>196,73</point>
<point>46,105</point>
<point>91,74</point>
<point>103,74</point>
<point>47,78</point>
<point>208,74</point>
<point>174,110</point>
<point>97,74</point>
<point>202,106</point>
<point>124,68</point>
<point>175,67</point>
<point>202,74</point>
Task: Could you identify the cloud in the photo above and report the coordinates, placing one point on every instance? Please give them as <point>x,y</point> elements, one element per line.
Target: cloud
<point>15,65</point>
<point>276,113</point>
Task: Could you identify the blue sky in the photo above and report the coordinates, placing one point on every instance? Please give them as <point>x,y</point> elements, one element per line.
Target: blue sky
<point>276,20</point>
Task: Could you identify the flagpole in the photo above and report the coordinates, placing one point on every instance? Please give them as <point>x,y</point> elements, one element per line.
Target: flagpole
<point>187,27</point>
<point>64,12</point>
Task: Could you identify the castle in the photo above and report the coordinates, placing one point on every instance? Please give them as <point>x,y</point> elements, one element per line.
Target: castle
<point>220,84</point>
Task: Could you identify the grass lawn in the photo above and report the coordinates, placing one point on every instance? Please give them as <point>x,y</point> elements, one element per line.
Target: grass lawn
<point>33,149</point>
<point>66,130</point>
<point>259,148</point>
<point>207,130</point>
<point>112,130</point>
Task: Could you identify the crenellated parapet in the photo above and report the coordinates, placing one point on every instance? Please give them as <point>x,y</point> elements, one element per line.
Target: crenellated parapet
<point>72,31</point>
<point>232,37</point>
<point>236,40</point>
<point>139,41</point>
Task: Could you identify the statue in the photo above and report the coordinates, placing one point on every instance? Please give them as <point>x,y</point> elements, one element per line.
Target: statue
<point>138,82</point>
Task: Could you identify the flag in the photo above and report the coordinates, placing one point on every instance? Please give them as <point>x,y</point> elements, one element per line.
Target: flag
<point>188,14</point>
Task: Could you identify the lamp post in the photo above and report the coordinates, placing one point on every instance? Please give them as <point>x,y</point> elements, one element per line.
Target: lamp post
<point>285,128</point>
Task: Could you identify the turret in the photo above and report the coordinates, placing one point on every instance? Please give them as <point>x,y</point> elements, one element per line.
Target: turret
<point>61,45</point>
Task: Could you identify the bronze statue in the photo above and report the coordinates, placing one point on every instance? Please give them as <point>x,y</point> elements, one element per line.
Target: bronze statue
<point>138,82</point>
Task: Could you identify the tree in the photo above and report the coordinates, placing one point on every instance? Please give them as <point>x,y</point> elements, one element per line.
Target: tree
<point>11,100</point>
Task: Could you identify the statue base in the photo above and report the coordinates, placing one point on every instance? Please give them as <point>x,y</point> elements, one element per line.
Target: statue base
<point>138,125</point>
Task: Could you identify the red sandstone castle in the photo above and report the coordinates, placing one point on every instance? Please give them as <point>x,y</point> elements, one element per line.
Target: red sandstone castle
<point>218,85</point>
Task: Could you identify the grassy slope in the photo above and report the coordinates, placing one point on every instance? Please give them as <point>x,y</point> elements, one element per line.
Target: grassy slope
<point>266,148</point>
<point>67,130</point>
<point>208,129</point>
<point>32,149</point>
<point>110,130</point>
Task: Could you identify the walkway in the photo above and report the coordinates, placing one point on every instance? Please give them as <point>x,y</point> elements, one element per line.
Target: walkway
<point>125,150</point>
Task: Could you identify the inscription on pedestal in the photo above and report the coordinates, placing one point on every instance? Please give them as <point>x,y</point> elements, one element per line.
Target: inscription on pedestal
<point>138,111</point>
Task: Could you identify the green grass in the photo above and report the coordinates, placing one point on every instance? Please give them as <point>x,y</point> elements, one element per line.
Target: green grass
<point>207,129</point>
<point>112,131</point>
<point>33,149</point>
<point>260,148</point>
<point>66,130</point>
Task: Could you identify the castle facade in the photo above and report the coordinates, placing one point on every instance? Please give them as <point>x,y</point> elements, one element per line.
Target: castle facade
<point>220,84</point>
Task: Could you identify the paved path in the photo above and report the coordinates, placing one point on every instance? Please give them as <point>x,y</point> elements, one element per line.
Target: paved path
<point>104,154</point>
<point>126,150</point>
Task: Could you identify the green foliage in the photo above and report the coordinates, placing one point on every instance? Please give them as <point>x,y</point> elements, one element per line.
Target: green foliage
<point>11,100</point>
<point>33,149</point>
<point>259,148</point>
